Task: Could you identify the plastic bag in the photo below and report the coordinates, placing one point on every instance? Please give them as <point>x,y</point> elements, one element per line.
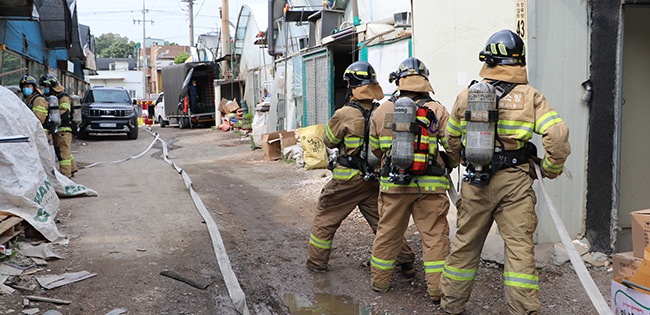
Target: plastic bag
<point>313,148</point>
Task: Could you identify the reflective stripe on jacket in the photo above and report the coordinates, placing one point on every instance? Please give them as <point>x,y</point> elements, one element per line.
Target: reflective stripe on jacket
<point>522,112</point>
<point>345,131</point>
<point>381,139</point>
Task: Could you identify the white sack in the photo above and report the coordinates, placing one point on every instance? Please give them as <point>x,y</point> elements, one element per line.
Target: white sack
<point>259,125</point>
<point>30,181</point>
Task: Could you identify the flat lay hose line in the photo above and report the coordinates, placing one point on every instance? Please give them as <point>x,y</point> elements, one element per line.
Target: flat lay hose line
<point>232,284</point>
<point>585,278</point>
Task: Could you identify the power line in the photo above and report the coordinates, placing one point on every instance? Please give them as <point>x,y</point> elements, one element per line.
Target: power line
<point>200,7</point>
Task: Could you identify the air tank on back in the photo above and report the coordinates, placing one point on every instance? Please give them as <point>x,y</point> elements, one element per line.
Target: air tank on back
<point>402,147</point>
<point>53,113</point>
<point>479,148</point>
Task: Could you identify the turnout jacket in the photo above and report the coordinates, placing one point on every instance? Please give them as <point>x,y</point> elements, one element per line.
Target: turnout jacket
<point>381,140</point>
<point>39,105</point>
<point>522,112</point>
<point>345,130</point>
<point>65,109</point>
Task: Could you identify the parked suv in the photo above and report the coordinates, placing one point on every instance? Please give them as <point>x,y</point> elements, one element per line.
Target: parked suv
<point>108,110</point>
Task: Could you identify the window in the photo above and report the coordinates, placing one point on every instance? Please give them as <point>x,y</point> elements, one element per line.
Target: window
<point>35,69</point>
<point>10,62</point>
<point>107,96</point>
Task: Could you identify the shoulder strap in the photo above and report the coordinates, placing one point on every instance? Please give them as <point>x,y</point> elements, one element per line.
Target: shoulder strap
<point>363,110</point>
<point>363,154</point>
<point>502,88</point>
<point>61,95</point>
<point>30,103</point>
<point>393,98</point>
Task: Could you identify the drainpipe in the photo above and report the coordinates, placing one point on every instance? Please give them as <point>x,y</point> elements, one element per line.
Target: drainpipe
<point>269,32</point>
<point>355,13</point>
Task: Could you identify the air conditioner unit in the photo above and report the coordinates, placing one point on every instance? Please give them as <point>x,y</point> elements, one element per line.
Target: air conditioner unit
<point>402,19</point>
<point>322,24</point>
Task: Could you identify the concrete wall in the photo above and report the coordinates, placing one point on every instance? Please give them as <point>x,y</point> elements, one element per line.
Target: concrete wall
<point>603,137</point>
<point>448,36</point>
<point>130,80</point>
<point>558,62</point>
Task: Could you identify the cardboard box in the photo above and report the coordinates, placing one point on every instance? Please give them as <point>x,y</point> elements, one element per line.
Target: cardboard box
<point>628,301</point>
<point>640,231</point>
<point>287,139</point>
<point>625,264</point>
<point>223,102</point>
<point>271,145</point>
<point>230,106</point>
<point>274,142</point>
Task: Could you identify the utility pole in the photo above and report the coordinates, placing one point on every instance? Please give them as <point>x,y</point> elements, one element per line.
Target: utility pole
<point>190,4</point>
<point>144,50</point>
<point>225,37</point>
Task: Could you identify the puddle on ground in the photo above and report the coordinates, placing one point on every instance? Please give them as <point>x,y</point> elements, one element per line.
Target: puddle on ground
<point>325,304</point>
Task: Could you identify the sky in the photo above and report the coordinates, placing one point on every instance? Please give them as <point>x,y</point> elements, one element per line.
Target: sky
<point>170,17</point>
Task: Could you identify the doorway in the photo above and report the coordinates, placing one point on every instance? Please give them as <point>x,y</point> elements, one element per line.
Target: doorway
<point>634,179</point>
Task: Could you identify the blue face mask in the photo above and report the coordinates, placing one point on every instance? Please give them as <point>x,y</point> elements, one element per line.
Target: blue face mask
<point>28,91</point>
<point>46,90</point>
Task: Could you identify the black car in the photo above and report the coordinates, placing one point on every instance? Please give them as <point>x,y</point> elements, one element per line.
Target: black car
<point>108,110</point>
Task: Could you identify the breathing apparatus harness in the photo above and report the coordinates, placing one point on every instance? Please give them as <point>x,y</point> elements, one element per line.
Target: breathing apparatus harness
<point>420,163</point>
<point>358,160</point>
<point>501,158</point>
<point>53,118</point>
<point>66,118</point>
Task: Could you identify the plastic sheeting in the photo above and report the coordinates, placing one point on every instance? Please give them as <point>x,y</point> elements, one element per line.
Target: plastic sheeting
<point>30,184</point>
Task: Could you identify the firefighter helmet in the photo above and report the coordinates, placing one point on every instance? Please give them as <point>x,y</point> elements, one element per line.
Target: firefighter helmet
<point>504,48</point>
<point>360,73</point>
<point>49,80</point>
<point>410,66</point>
<point>27,79</point>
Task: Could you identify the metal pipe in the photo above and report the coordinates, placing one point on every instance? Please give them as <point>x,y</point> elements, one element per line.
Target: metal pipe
<point>270,41</point>
<point>225,35</point>
<point>144,54</point>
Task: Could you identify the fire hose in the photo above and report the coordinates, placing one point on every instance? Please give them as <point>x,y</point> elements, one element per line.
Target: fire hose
<point>232,284</point>
<point>585,278</point>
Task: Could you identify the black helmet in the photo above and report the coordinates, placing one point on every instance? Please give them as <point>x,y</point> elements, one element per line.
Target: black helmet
<point>504,48</point>
<point>27,79</point>
<point>360,73</point>
<point>49,80</point>
<point>410,66</point>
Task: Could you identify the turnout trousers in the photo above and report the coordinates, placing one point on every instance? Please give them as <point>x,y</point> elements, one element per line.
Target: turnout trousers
<point>509,200</point>
<point>429,213</point>
<point>337,200</point>
<point>63,148</point>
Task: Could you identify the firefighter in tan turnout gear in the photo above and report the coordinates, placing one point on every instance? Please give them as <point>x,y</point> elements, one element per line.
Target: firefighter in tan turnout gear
<point>36,102</point>
<point>353,182</point>
<point>62,138</point>
<point>492,123</point>
<point>406,134</point>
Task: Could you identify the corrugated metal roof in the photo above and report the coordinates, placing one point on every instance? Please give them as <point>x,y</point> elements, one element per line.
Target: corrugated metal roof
<point>56,23</point>
<point>18,8</point>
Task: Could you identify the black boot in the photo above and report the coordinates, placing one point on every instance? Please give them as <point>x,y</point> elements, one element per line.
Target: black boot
<point>407,269</point>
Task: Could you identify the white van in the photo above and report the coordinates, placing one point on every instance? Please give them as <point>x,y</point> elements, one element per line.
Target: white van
<point>159,110</point>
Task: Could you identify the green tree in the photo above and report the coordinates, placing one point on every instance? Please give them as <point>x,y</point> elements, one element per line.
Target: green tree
<point>181,58</point>
<point>166,43</point>
<point>111,45</point>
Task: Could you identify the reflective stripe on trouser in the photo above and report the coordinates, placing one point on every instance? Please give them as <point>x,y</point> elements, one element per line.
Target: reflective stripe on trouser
<point>63,144</point>
<point>510,201</point>
<point>74,164</point>
<point>430,216</point>
<point>337,200</point>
